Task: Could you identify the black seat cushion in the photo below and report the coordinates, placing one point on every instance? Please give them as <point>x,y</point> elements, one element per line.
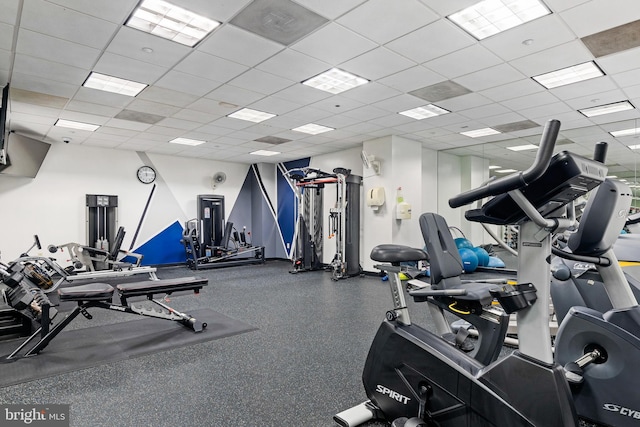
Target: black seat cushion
<point>397,253</point>
<point>90,292</point>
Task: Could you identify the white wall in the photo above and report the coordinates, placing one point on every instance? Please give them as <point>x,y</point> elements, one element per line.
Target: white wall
<point>52,205</point>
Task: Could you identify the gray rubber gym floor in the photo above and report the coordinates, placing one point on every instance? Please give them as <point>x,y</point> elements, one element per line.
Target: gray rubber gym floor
<point>299,368</point>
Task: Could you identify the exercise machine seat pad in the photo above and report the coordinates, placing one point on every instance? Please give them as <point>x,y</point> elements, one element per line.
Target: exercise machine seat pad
<point>90,292</point>
<point>397,253</point>
<point>161,286</point>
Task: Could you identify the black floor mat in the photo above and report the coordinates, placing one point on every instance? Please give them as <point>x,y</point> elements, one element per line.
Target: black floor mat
<point>83,348</point>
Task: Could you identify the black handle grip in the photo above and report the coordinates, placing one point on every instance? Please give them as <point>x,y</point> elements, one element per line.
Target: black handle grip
<point>600,152</point>
<point>518,179</point>
<point>37,239</point>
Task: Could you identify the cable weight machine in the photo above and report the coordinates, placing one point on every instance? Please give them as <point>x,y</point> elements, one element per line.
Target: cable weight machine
<point>343,221</point>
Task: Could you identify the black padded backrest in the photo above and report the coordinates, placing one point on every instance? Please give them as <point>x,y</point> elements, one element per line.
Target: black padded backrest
<point>445,264</point>
<point>117,242</point>
<point>227,234</point>
<point>602,220</point>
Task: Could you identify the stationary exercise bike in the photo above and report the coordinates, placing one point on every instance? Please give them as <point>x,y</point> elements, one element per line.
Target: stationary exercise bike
<point>417,378</point>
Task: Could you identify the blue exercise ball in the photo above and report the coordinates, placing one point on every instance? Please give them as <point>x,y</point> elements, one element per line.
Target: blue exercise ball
<point>469,260</point>
<point>461,242</point>
<point>483,256</point>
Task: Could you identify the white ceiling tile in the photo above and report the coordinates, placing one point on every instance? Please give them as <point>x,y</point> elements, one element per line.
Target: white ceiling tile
<point>546,112</point>
<point>512,90</point>
<point>366,112</point>
<point>102,98</point>
<point>484,111</point>
<point>38,84</point>
<point>166,132</point>
<point>213,106</point>
<point>418,47</point>
<point>128,68</point>
<point>552,59</point>
<point>210,67</point>
<point>400,103</point>
<point>261,82</point>
<point>6,36</point>
<point>172,122</point>
<point>219,10</point>
<point>56,50</point>
<point>594,100</point>
<point>330,8</point>
<point>620,62</point>
<point>532,100</point>
<point>234,95</point>
<point>113,10</point>
<point>599,15</point>
<point>337,103</point>
<point>49,70</point>
<point>388,121</point>
<point>377,63</point>
<point>130,42</point>
<point>87,107</point>
<point>293,65</point>
<point>127,124</point>
<point>469,100</point>
<point>274,105</point>
<point>544,33</point>
<point>302,93</point>
<point>122,133</point>
<point>372,19</point>
<point>627,78</point>
<point>182,82</point>
<point>152,107</point>
<point>340,121</point>
<point>195,116</point>
<point>464,61</point>
<point>10,10</point>
<point>167,96</point>
<point>63,23</point>
<point>412,78</point>
<point>446,8</point>
<point>490,77</point>
<point>587,87</point>
<point>345,44</point>
<point>370,93</point>
<point>238,45</point>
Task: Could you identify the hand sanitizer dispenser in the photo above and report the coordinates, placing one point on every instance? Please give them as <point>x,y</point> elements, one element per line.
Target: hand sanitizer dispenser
<point>403,209</point>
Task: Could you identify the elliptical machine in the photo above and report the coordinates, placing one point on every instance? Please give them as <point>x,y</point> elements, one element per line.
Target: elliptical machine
<point>416,377</point>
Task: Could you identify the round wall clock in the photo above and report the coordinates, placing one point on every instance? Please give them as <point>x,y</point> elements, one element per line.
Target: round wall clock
<point>146,174</point>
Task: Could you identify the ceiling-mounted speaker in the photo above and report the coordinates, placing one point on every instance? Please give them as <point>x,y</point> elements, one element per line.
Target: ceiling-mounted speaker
<point>218,178</point>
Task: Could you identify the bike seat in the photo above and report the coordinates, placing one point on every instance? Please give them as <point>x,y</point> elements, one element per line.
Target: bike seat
<point>396,254</point>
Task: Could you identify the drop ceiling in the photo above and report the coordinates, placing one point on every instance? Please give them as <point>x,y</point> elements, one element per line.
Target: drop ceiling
<point>257,58</point>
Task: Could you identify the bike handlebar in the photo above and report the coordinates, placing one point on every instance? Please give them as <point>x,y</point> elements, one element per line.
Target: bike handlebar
<point>518,179</point>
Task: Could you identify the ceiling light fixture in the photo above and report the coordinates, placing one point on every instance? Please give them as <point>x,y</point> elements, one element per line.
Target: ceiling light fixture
<point>634,147</point>
<point>76,125</point>
<point>523,147</point>
<point>607,109</point>
<point>565,76</point>
<point>625,132</point>
<point>187,141</point>
<point>251,115</point>
<point>264,153</point>
<point>165,20</point>
<point>113,84</point>
<point>491,17</point>
<point>480,132</point>
<point>505,171</point>
<point>492,167</point>
<point>335,81</point>
<point>424,112</point>
<point>313,129</point>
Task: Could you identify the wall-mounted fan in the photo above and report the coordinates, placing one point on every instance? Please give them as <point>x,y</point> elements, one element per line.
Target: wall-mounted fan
<point>370,162</point>
<point>218,178</point>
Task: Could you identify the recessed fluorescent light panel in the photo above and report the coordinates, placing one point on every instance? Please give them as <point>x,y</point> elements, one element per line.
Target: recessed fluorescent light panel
<point>264,153</point>
<point>480,132</point>
<point>165,20</point>
<point>313,129</point>
<point>523,147</point>
<point>76,125</point>
<point>491,17</point>
<point>625,132</point>
<point>113,84</point>
<point>577,73</point>
<point>251,115</point>
<point>492,167</point>
<point>335,81</point>
<point>607,109</point>
<point>187,141</point>
<point>424,112</point>
<point>634,147</point>
<point>505,170</point>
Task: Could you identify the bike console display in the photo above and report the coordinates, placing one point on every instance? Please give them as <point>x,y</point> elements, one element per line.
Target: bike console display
<point>568,177</point>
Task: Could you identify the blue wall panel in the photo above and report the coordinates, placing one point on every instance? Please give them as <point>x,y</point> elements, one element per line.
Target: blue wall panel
<point>164,247</point>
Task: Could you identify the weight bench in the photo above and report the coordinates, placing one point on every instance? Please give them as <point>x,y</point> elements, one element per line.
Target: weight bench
<point>101,295</point>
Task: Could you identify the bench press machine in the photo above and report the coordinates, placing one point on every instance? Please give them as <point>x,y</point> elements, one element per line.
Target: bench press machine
<point>101,295</point>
